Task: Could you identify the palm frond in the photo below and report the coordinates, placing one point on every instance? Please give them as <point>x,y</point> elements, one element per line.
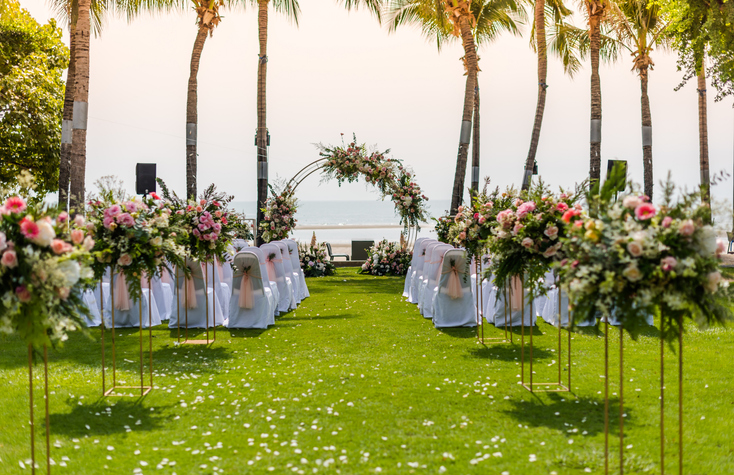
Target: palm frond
<point>375,6</point>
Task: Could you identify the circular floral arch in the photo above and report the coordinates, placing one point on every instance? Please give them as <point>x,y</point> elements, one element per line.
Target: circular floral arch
<point>347,163</point>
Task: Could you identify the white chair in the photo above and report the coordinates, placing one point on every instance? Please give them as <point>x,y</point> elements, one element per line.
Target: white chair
<point>290,272</point>
<point>239,244</point>
<point>453,304</point>
<point>409,274</point>
<point>193,311</point>
<point>429,268</point>
<point>214,272</point>
<point>515,317</point>
<point>432,278</point>
<point>271,286</point>
<point>276,273</point>
<point>249,306</point>
<point>416,279</point>
<point>128,311</point>
<point>296,263</point>
<point>162,294</point>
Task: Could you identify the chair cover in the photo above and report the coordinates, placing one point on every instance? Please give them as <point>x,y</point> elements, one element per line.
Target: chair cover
<point>296,263</point>
<point>416,278</point>
<point>93,318</point>
<point>453,304</point>
<point>162,295</point>
<point>239,244</point>
<point>515,316</point>
<point>271,287</point>
<point>127,311</point>
<point>290,272</point>
<point>249,306</point>
<point>214,272</point>
<point>409,274</point>
<point>192,302</point>
<point>433,278</point>
<point>277,274</point>
<point>429,268</point>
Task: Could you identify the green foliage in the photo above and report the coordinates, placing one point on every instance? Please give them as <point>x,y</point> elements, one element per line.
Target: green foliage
<point>32,59</point>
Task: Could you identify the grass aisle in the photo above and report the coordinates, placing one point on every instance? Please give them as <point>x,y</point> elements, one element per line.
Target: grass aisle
<point>356,381</point>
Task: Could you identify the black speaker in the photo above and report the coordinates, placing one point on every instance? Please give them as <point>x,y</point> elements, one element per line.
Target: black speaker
<point>145,178</point>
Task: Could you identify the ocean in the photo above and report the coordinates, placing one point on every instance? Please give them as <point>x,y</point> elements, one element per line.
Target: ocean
<point>341,222</point>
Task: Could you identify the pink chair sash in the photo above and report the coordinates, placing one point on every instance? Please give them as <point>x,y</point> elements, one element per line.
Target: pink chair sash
<point>247,299</point>
<point>271,269</point>
<point>188,298</point>
<point>166,277</point>
<point>454,288</point>
<point>517,294</point>
<point>144,281</point>
<point>122,297</point>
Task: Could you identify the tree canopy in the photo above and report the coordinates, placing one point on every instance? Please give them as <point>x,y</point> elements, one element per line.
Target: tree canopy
<point>32,60</point>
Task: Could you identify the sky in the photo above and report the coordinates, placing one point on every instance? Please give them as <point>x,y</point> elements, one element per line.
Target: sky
<point>341,72</point>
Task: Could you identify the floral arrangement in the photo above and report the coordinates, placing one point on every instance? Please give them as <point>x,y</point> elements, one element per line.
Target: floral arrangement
<point>208,224</point>
<point>134,236</point>
<point>527,235</point>
<point>314,260</point>
<point>387,258</point>
<point>44,267</point>
<point>634,259</point>
<point>347,163</point>
<point>443,228</point>
<point>279,219</point>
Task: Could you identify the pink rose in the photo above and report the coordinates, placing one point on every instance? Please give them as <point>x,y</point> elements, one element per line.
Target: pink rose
<point>712,281</point>
<point>668,263</point>
<point>88,243</point>
<point>63,292</point>
<point>79,221</point>
<point>527,243</point>
<point>720,247</point>
<point>202,202</point>
<point>113,210</point>
<point>631,201</point>
<point>126,220</point>
<point>218,213</point>
<point>108,222</point>
<point>634,248</point>
<point>60,247</point>
<point>551,232</point>
<point>9,259</point>
<point>482,220</point>
<point>517,229</point>
<point>24,295</point>
<point>645,211</point>
<point>462,236</point>
<point>667,221</point>
<point>561,207</point>
<point>125,260</point>
<point>687,228</point>
<point>199,209</point>
<point>77,236</point>
<point>524,209</point>
<point>63,217</point>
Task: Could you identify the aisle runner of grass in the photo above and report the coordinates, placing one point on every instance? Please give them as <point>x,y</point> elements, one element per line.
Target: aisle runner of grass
<point>356,381</point>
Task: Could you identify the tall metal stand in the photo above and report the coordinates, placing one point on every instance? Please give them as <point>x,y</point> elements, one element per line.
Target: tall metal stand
<point>479,294</point>
<point>113,391</point>
<point>32,420</point>
<point>680,397</point>
<point>555,386</point>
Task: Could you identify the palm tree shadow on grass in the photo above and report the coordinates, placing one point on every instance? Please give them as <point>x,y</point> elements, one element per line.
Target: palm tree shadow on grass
<point>572,419</point>
<point>93,419</point>
<point>314,318</point>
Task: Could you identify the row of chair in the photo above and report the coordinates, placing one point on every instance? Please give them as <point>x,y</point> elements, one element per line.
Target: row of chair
<point>247,290</point>
<point>439,282</point>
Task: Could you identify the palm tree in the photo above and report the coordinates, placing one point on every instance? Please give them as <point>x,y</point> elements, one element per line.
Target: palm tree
<point>703,134</point>
<point>207,18</point>
<point>473,22</point>
<point>596,11</point>
<point>640,27</point>
<point>565,44</point>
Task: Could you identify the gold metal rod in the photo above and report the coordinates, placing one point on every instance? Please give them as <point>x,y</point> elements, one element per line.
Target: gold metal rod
<point>112,308</point>
<point>606,396</point>
<point>680,394</point>
<point>522,330</point>
<point>214,293</point>
<point>101,311</point>
<point>569,346</point>
<point>178,305</point>
<point>186,304</point>
<point>150,330</point>
<point>506,318</point>
<point>30,392</point>
<point>621,399</point>
<point>662,396</point>
<point>206,295</point>
<point>531,337</point>
<point>476,299</point>
<point>560,323</point>
<point>48,420</point>
<point>140,321</point>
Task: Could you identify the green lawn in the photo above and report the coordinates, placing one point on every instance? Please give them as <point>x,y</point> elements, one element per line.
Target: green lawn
<point>356,381</point>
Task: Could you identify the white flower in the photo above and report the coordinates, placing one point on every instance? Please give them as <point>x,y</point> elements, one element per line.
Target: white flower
<point>634,248</point>
<point>706,241</point>
<point>551,232</point>
<point>46,233</point>
<point>713,281</point>
<point>156,241</point>
<point>71,271</point>
<point>3,242</point>
<point>632,273</point>
<point>631,201</point>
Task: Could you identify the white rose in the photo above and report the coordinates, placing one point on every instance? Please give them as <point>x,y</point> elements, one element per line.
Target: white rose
<point>713,281</point>
<point>551,232</point>
<point>634,248</point>
<point>46,233</point>
<point>631,201</point>
<point>156,241</point>
<point>3,242</point>
<point>632,273</point>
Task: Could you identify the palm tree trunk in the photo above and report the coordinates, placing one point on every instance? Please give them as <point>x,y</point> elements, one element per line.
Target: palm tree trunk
<point>68,115</point>
<point>703,134</point>
<point>81,98</point>
<point>475,144</point>
<point>646,132</point>
<point>192,111</point>
<point>595,135</point>
<point>542,87</point>
<point>262,129</point>
<point>470,56</point>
